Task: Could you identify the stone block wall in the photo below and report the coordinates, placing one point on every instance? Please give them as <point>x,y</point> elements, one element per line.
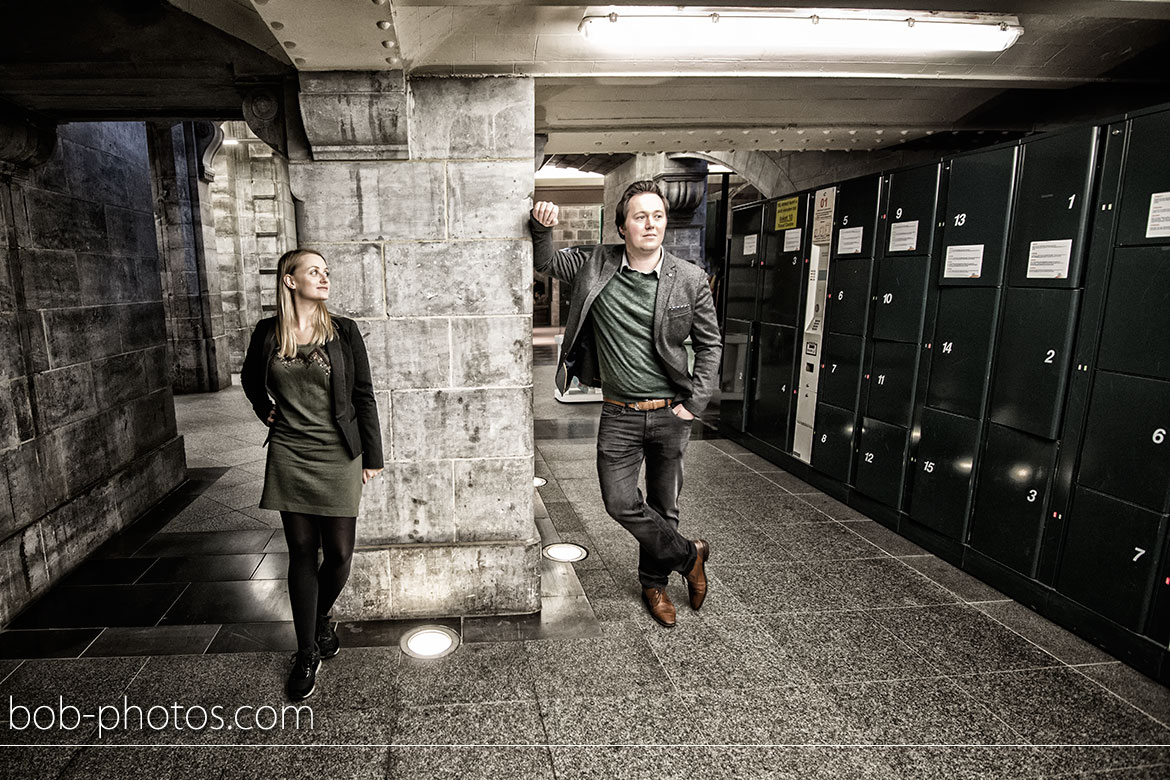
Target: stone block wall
<point>87,423</point>
<point>430,254</point>
<point>185,225</point>
<point>579,226</point>
<point>254,226</point>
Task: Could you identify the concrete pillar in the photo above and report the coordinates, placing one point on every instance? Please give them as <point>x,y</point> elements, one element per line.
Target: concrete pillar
<point>254,226</point>
<point>185,223</point>
<point>417,194</point>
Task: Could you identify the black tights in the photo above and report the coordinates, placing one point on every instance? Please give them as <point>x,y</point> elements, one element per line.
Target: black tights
<point>313,590</point>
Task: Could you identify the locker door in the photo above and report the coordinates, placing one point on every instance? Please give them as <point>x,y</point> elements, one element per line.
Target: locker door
<point>772,398</point>
<point>900,299</point>
<point>855,217</point>
<point>832,449</point>
<point>910,211</point>
<point>974,233</point>
<point>1052,210</point>
<point>1125,452</point>
<point>784,276</point>
<point>1011,500</point>
<point>881,458</point>
<point>1145,192</point>
<point>1032,359</point>
<point>961,349</point>
<point>943,468</point>
<point>1109,556</point>
<point>847,302</point>
<point>734,384</point>
<point>1135,333</point>
<point>890,382</point>
<point>743,262</point>
<point>840,377</point>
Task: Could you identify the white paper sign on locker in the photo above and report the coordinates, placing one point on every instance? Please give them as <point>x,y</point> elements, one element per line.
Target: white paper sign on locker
<point>1158,222</point>
<point>792,240</point>
<point>849,241</point>
<point>749,245</point>
<point>963,262</point>
<point>1049,259</point>
<point>904,236</point>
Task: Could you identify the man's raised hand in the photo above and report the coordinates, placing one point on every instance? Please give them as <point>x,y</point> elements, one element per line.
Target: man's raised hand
<point>545,213</point>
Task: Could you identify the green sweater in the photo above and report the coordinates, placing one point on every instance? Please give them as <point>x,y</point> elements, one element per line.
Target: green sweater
<point>623,331</point>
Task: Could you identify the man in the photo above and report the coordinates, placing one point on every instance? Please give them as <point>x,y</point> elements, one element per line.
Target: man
<point>632,308</point>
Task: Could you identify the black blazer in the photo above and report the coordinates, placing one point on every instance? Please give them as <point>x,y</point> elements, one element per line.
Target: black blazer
<point>354,409</point>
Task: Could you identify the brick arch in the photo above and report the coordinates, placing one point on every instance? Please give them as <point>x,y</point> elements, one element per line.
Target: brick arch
<point>760,169</point>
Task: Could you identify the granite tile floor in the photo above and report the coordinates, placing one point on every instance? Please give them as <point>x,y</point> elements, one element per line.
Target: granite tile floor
<point>828,647</point>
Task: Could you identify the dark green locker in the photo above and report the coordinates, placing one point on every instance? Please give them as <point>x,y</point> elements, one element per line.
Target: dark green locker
<point>1011,498</point>
<point>1125,452</point>
<point>1032,359</point>
<point>743,262</point>
<point>832,450</point>
<point>840,376</point>
<point>848,298</point>
<point>881,458</point>
<point>1052,210</point>
<point>900,298</point>
<point>735,381</point>
<point>784,271</point>
<point>772,410</point>
<point>961,349</point>
<point>1135,333</point>
<point>975,223</point>
<point>1145,190</point>
<point>1109,556</point>
<point>942,472</point>
<point>855,217</point>
<point>890,382</point>
<point>910,211</point>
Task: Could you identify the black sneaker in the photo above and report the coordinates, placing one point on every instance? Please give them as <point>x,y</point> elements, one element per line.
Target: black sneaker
<point>328,643</point>
<point>302,680</point>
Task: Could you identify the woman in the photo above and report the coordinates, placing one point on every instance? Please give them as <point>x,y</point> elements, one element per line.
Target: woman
<point>308,378</point>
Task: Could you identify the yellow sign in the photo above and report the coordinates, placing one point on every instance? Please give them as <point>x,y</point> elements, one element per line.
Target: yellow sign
<point>786,211</point>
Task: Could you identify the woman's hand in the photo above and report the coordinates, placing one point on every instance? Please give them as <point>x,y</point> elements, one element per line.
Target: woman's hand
<point>368,474</point>
<point>681,412</point>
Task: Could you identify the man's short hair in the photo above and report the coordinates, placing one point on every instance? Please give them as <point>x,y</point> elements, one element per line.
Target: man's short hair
<point>637,188</point>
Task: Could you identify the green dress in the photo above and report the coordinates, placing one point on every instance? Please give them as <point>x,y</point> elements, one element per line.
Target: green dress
<point>309,469</point>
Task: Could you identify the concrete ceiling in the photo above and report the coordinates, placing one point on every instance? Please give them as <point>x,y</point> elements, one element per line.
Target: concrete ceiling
<point>1070,64</point>
<point>1075,61</point>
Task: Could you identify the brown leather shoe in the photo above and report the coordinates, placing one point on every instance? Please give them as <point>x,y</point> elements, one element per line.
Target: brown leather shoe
<point>697,577</point>
<point>659,604</point>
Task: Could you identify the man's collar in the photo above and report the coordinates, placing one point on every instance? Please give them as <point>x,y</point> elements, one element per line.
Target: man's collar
<point>656,270</point>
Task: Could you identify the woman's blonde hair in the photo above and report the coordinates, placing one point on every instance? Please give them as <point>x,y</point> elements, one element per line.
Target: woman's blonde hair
<point>286,316</point>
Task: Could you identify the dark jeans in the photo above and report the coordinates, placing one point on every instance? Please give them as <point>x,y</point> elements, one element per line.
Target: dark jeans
<point>626,438</point>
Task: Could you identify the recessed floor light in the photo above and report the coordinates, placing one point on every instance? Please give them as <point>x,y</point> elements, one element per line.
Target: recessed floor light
<point>429,642</point>
<point>565,552</point>
<point>539,482</point>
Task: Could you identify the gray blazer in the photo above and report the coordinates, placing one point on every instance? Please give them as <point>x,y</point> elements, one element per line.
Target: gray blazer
<point>684,307</point>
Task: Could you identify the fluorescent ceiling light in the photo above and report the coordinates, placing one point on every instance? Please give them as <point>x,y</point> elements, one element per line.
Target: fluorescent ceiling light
<point>780,31</point>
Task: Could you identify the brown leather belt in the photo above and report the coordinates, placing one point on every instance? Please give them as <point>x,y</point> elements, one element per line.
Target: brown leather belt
<point>643,406</point>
